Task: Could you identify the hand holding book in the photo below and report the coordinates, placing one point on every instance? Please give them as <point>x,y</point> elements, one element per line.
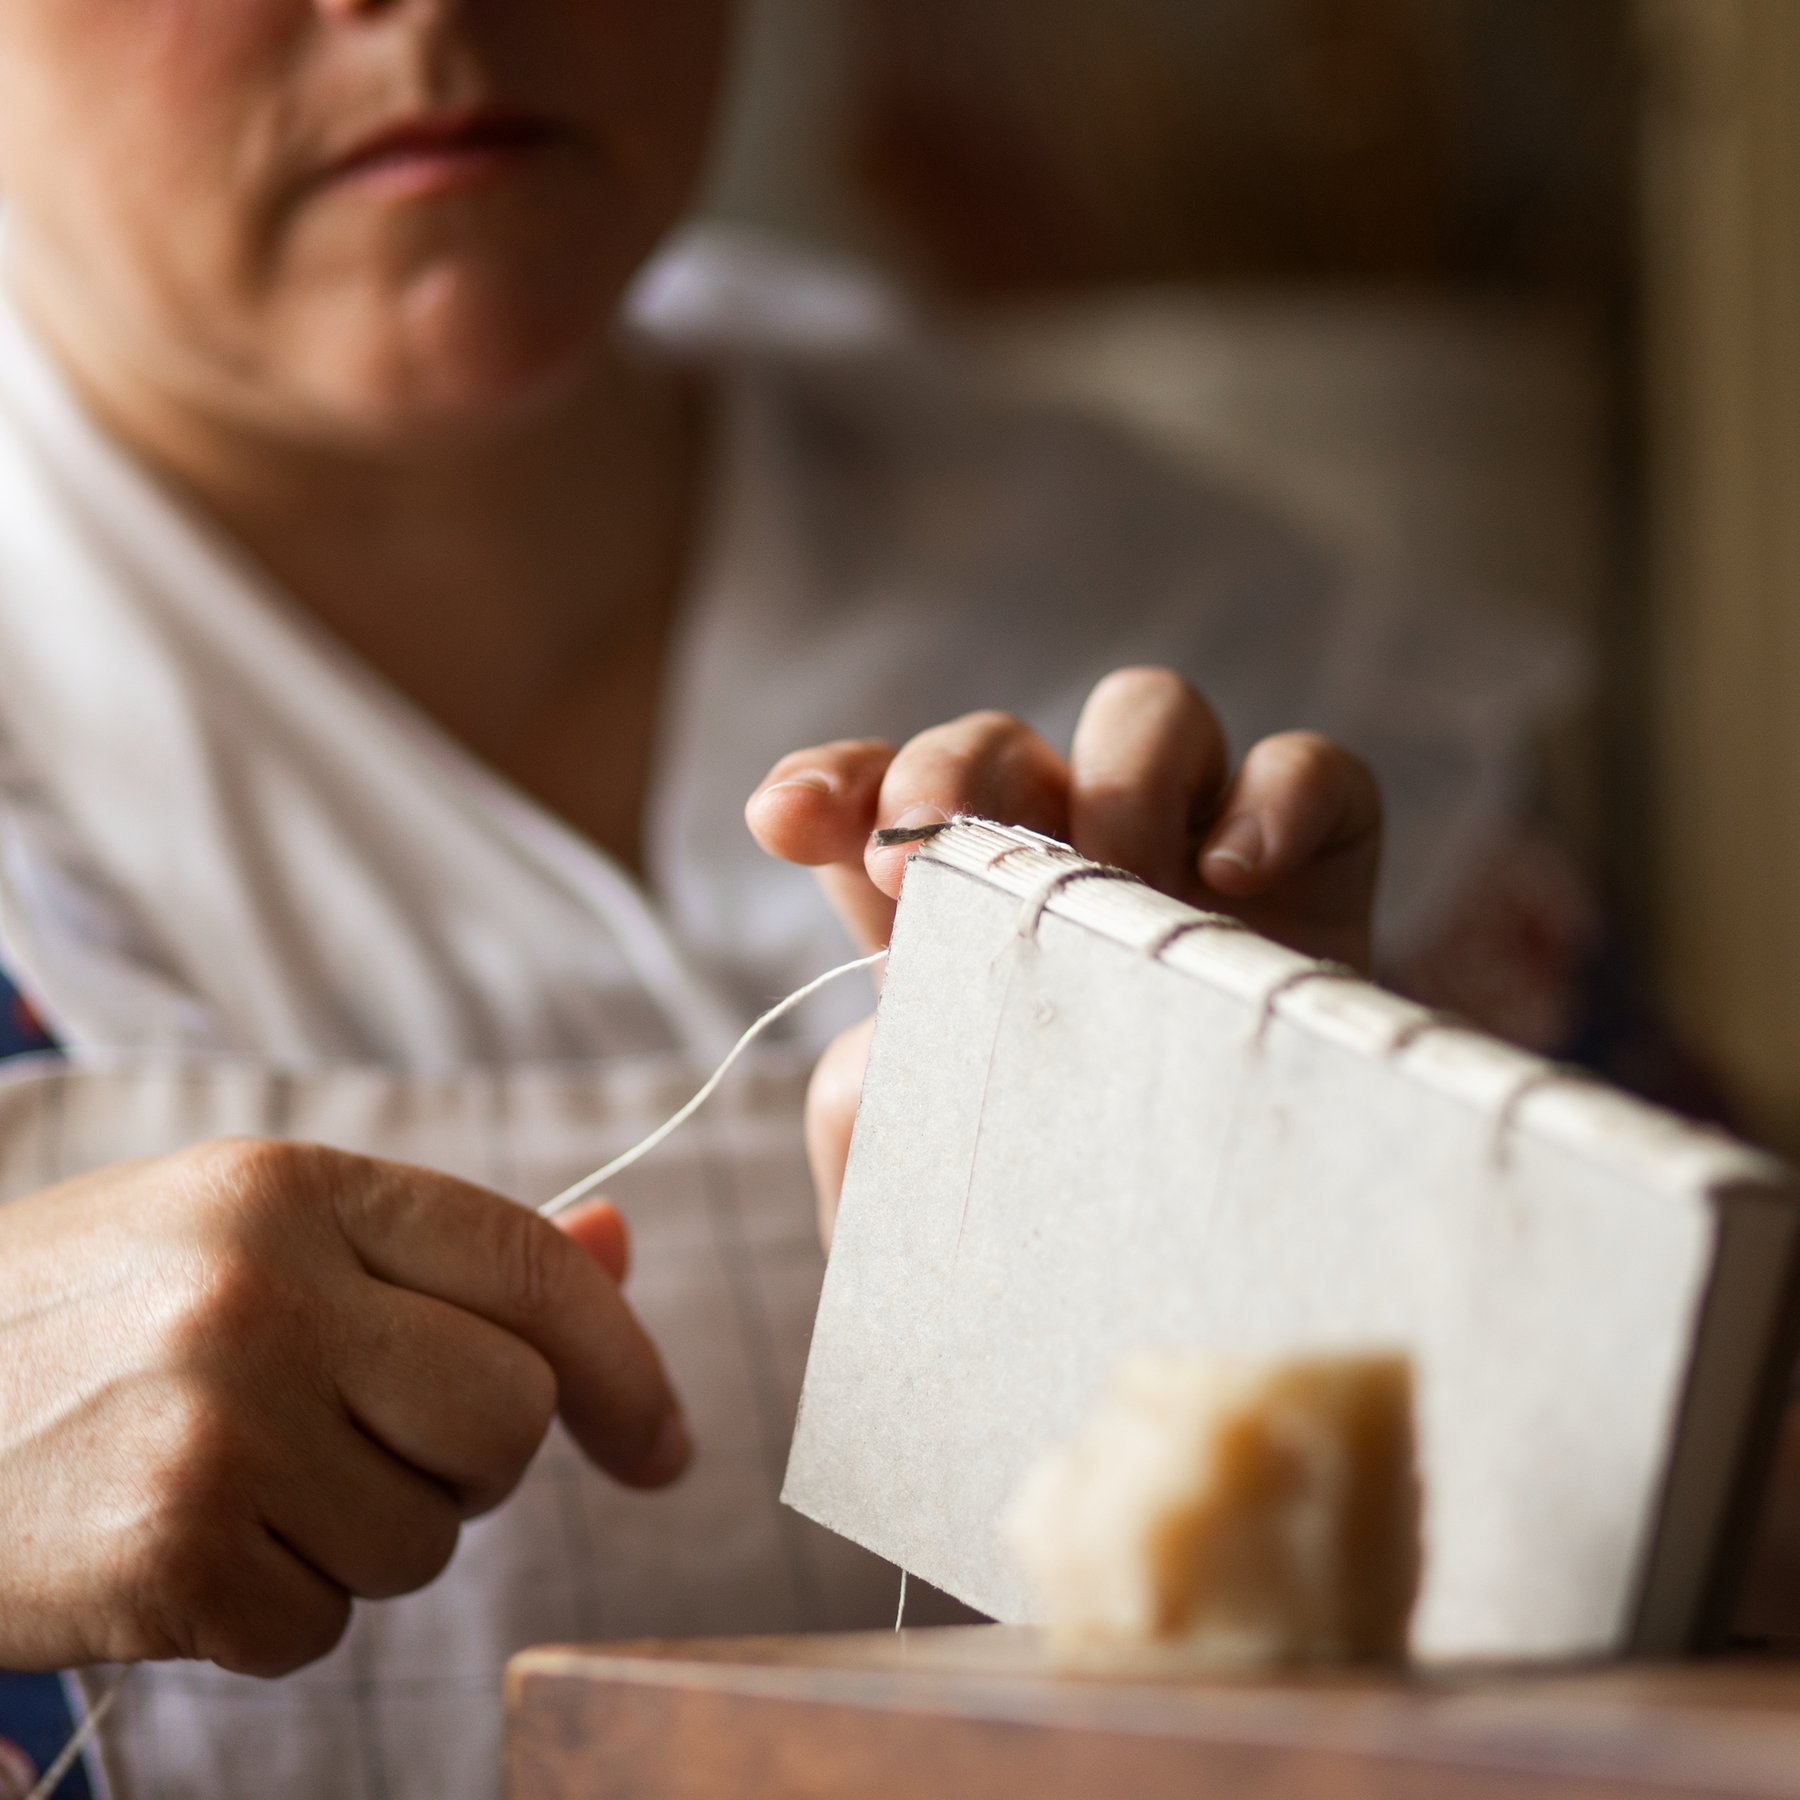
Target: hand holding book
<point>1289,841</point>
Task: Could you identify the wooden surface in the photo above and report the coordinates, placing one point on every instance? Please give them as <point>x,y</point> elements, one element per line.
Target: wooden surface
<point>983,1712</point>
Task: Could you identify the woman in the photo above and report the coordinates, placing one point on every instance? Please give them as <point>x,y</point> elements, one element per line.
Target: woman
<point>392,615</point>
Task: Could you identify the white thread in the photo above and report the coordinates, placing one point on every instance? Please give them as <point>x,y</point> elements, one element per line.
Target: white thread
<point>52,1778</point>
<point>900,1616</point>
<point>619,1164</point>
<point>1319,971</point>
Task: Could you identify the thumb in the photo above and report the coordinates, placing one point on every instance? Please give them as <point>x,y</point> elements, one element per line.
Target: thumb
<point>600,1229</point>
<point>818,807</point>
<point>832,1097</point>
<point>445,1239</point>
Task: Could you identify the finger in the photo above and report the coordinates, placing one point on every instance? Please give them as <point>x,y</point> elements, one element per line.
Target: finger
<point>434,1235</point>
<point>255,1609</point>
<point>445,1392</point>
<point>1297,847</point>
<point>359,1516</point>
<point>600,1229</point>
<point>1299,798</point>
<point>817,807</point>
<point>1148,762</point>
<point>989,764</point>
<point>832,1097</point>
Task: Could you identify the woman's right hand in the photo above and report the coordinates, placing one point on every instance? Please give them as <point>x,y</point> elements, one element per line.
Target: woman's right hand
<point>1289,841</point>
<point>243,1385</point>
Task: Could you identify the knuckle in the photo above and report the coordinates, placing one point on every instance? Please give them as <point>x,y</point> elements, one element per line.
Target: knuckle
<point>151,1629</point>
<point>241,1319</point>
<point>191,1570</point>
<point>1315,771</point>
<point>266,1643</point>
<point>309,1637</point>
<point>1307,756</point>
<point>1306,745</point>
<point>249,1190</point>
<point>533,1411</point>
<point>233,1293</point>
<point>244,1295</point>
<point>240,1170</point>
<point>1357,772</point>
<point>989,727</point>
<point>178,1581</point>
<point>987,755</point>
<point>852,761</point>
<point>1124,799</point>
<point>160,1609</point>
<point>1147,683</point>
<point>193,1523</point>
<point>202,1507</point>
<point>791,764</point>
<point>971,739</point>
<point>518,1423</point>
<point>435,1543</point>
<point>532,1265</point>
<point>181,1584</point>
<point>418,1552</point>
<point>852,750</point>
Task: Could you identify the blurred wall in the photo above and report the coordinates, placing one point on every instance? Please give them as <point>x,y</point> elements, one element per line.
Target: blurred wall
<point>1370,254</point>
<point>1722,260</point>
<point>779,162</point>
<point>1588,210</point>
<point>1007,144</point>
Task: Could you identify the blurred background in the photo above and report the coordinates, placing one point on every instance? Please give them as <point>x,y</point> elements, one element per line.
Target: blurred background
<point>1502,294</point>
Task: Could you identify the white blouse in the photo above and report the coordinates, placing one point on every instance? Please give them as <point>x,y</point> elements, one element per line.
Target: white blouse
<point>219,830</point>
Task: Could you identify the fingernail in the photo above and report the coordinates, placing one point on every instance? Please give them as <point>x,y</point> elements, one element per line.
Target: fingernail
<point>922,814</point>
<point>1239,846</point>
<point>813,781</point>
<point>884,858</point>
<point>670,1454</point>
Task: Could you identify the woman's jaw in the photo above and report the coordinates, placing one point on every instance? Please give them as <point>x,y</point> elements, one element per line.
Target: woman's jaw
<point>450,269</point>
<point>447,290</point>
<point>396,228</point>
<point>481,312</point>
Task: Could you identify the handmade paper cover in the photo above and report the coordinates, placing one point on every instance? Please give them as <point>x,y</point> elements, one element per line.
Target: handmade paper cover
<point>1094,1123</point>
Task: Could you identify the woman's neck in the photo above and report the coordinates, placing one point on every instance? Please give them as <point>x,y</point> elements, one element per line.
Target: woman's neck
<point>518,588</point>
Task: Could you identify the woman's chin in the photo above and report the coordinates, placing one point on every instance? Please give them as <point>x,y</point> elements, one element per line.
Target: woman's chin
<point>457,359</point>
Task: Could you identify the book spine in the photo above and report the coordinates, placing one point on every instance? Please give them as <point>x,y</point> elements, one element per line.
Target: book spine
<point>1523,1094</point>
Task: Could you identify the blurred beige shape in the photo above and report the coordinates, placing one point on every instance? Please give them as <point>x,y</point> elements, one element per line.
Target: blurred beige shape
<point>1251,1512</point>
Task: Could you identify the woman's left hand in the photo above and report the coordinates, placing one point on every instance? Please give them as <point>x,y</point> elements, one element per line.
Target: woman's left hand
<point>1289,841</point>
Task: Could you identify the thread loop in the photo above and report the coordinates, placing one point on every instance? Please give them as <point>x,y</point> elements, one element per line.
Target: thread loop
<point>1319,971</point>
<point>1031,915</point>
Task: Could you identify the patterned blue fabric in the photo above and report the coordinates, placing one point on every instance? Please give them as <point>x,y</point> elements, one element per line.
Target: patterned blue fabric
<point>35,1715</point>
<point>21,1032</point>
<point>34,1709</point>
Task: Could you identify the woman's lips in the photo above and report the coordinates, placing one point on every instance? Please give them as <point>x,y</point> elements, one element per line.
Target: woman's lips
<point>440,154</point>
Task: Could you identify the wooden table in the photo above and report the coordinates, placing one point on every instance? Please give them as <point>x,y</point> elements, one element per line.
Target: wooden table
<point>979,1712</point>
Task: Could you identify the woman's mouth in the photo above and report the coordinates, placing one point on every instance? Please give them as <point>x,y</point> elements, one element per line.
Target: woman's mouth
<point>442,153</point>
